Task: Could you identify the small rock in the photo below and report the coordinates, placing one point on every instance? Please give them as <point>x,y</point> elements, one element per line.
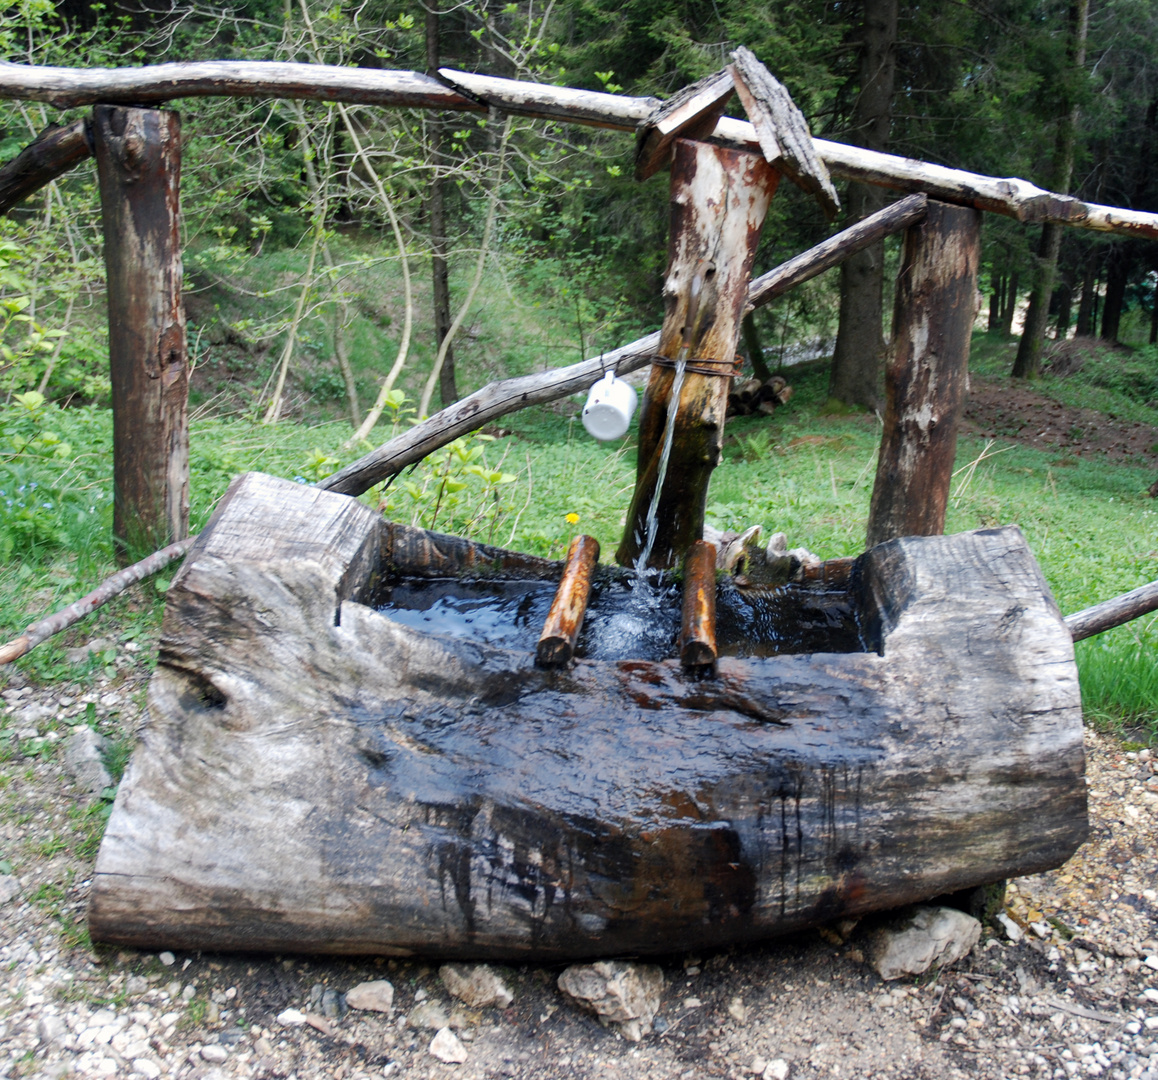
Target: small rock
<point>9,888</point>
<point>478,985</point>
<point>147,1068</point>
<point>777,1070</point>
<point>82,758</point>
<point>923,937</point>
<point>167,958</point>
<point>446,1047</point>
<point>429,1015</point>
<point>618,992</point>
<point>214,1054</point>
<point>51,1029</point>
<point>136,984</point>
<point>738,1011</point>
<point>291,1018</point>
<point>1151,962</point>
<point>758,1066</point>
<point>333,1005</point>
<point>320,1023</point>
<point>1012,930</point>
<point>377,996</point>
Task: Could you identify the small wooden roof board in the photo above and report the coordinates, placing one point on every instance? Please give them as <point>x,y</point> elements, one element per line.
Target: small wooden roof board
<point>692,113</point>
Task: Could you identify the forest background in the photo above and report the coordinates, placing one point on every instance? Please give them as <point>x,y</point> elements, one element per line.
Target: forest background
<point>348,269</point>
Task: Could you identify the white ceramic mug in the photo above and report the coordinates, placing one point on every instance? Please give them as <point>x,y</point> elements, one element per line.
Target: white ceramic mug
<point>609,408</point>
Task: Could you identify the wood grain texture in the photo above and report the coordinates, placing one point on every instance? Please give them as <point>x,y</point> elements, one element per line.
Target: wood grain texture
<point>718,202</point>
<point>565,619</point>
<point>691,113</point>
<point>138,154</point>
<point>697,644</point>
<point>51,154</point>
<point>927,374</point>
<point>66,87</point>
<point>1110,613</point>
<point>782,130</point>
<point>314,777</point>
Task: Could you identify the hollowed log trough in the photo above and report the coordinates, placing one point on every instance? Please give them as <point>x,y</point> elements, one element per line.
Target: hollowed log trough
<point>315,777</point>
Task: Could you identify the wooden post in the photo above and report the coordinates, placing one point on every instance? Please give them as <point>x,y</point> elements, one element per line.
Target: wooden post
<point>928,373</point>
<point>565,619</point>
<point>718,201</point>
<point>698,619</point>
<point>138,154</point>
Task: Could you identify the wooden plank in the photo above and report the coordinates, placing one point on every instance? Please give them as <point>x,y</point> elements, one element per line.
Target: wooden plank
<point>697,644</point>
<point>718,201</point>
<point>565,619</point>
<point>51,154</point>
<point>692,113</point>
<point>409,795</point>
<point>782,130</point>
<point>927,374</point>
<point>138,153</point>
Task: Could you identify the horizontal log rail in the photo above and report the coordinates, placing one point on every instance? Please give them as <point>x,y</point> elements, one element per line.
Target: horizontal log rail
<point>1110,613</point>
<point>465,91</point>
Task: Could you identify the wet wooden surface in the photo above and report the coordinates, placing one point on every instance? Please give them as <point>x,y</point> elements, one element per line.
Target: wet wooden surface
<point>718,202</point>
<point>927,373</point>
<point>138,153</point>
<point>565,619</point>
<point>697,644</point>
<point>316,777</point>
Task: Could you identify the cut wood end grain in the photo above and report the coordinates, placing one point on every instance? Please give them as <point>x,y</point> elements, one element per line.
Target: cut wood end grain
<point>692,113</point>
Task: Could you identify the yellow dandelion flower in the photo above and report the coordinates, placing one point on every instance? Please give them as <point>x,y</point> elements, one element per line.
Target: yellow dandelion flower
<point>572,518</point>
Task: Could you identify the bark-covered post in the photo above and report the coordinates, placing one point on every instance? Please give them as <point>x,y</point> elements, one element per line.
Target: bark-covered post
<point>138,154</point>
<point>718,201</point>
<point>927,375</point>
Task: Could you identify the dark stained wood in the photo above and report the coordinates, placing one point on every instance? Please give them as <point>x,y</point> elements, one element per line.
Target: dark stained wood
<point>718,202</point>
<point>138,154</point>
<point>1110,613</point>
<point>51,154</point>
<point>927,374</point>
<point>67,87</point>
<point>565,619</point>
<point>782,130</point>
<point>697,644</point>
<point>314,777</point>
<point>692,113</point>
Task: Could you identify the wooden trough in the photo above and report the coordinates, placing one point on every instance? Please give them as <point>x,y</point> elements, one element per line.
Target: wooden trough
<point>316,777</point>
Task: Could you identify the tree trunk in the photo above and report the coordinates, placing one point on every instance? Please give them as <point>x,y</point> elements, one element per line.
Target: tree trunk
<point>1117,274</point>
<point>755,349</point>
<point>138,154</point>
<point>1065,309</point>
<point>856,360</point>
<point>1010,304</point>
<point>1087,314</point>
<point>1028,362</point>
<point>928,373</point>
<point>447,384</point>
<point>718,201</point>
<point>1154,315</point>
<point>998,285</point>
<point>315,777</point>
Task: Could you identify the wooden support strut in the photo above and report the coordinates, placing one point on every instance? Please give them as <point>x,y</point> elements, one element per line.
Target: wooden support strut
<point>719,199</point>
<point>698,619</point>
<point>138,154</point>
<point>51,154</point>
<point>926,377</point>
<point>565,619</point>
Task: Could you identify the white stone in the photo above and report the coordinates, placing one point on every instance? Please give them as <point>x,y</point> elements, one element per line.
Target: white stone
<point>51,1029</point>
<point>924,937</point>
<point>167,958</point>
<point>777,1070</point>
<point>291,1018</point>
<point>83,759</point>
<point>428,1014</point>
<point>147,1068</point>
<point>215,1054</point>
<point>618,992</point>
<point>446,1047</point>
<point>376,996</point>
<point>9,888</point>
<point>477,985</point>
<point>1151,962</point>
<point>1012,930</point>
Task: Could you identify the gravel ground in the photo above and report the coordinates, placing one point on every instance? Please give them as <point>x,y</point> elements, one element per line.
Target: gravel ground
<point>1075,995</point>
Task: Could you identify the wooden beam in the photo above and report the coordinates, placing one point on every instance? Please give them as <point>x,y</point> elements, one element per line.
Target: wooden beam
<point>927,374</point>
<point>692,113</point>
<point>51,154</point>
<point>138,154</point>
<point>718,201</point>
<point>509,395</point>
<point>782,130</point>
<point>1110,613</point>
<point>565,619</point>
<point>697,644</point>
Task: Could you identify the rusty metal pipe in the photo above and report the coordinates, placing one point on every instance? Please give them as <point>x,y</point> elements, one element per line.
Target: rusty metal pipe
<point>565,619</point>
<point>698,623</point>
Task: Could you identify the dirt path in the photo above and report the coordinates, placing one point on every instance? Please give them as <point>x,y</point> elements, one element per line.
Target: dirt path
<point>1077,996</point>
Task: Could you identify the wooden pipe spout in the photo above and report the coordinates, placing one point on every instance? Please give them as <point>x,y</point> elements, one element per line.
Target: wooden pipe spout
<point>698,623</point>
<point>565,619</point>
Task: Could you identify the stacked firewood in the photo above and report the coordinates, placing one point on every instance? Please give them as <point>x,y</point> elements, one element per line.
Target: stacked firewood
<point>752,396</point>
